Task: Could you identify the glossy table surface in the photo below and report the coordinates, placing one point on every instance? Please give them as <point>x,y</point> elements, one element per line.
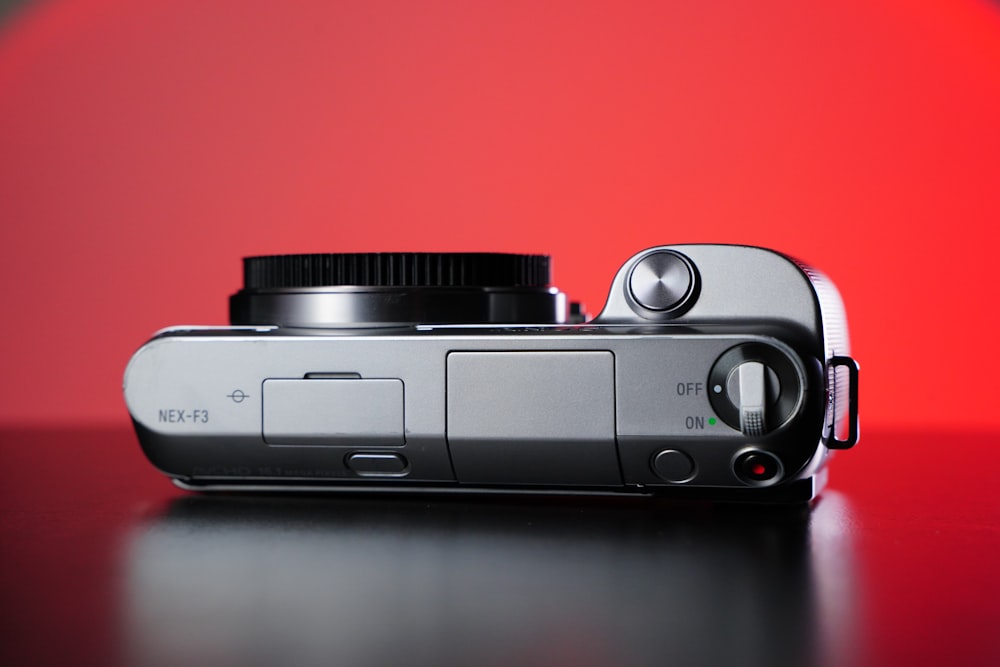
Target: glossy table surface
<point>104,562</point>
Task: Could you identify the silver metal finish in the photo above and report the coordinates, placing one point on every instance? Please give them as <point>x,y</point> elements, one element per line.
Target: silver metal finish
<point>737,285</point>
<point>661,281</point>
<point>537,417</point>
<point>752,398</point>
<point>845,400</point>
<point>586,404</point>
<point>333,412</point>
<point>614,404</point>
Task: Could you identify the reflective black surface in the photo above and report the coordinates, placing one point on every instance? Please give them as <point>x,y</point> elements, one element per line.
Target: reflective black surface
<point>469,582</point>
<point>104,563</point>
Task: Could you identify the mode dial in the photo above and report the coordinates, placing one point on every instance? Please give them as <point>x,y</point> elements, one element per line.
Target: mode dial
<point>755,388</point>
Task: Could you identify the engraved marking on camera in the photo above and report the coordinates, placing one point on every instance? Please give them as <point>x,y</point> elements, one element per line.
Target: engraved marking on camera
<point>177,416</point>
<point>689,388</point>
<point>693,422</point>
<point>238,396</point>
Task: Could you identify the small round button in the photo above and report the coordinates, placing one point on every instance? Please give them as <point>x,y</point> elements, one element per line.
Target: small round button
<point>661,281</point>
<point>757,468</point>
<point>673,466</point>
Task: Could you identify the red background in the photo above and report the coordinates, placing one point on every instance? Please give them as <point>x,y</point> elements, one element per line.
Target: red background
<point>146,147</point>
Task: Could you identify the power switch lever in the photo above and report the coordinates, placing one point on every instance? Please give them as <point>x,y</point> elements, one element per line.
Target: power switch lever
<point>752,398</point>
<point>756,388</point>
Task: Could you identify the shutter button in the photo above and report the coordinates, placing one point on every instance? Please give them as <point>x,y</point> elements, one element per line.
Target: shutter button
<point>662,281</point>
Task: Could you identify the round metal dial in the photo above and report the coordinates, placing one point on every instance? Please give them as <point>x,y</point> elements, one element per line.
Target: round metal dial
<point>662,282</point>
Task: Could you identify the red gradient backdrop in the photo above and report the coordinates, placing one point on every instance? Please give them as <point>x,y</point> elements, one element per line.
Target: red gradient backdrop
<point>145,147</point>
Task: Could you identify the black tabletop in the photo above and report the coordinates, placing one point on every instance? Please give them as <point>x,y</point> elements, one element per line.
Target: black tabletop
<point>104,562</point>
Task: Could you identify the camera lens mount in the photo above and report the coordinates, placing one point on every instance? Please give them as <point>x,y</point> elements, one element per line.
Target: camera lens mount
<point>396,289</point>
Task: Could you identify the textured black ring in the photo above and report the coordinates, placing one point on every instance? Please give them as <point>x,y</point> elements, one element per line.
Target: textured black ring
<point>396,269</point>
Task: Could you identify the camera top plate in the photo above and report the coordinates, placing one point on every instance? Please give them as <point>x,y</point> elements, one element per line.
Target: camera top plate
<point>712,370</point>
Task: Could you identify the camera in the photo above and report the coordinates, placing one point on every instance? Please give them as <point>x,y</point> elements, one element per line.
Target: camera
<point>720,372</point>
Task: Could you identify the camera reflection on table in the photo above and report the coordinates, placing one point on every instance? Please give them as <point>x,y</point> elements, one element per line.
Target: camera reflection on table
<point>434,580</point>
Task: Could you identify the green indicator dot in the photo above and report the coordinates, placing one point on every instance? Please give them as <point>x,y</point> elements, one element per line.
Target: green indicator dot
<point>711,421</point>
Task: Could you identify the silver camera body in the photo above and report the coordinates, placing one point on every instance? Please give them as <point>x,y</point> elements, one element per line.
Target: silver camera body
<point>713,371</point>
